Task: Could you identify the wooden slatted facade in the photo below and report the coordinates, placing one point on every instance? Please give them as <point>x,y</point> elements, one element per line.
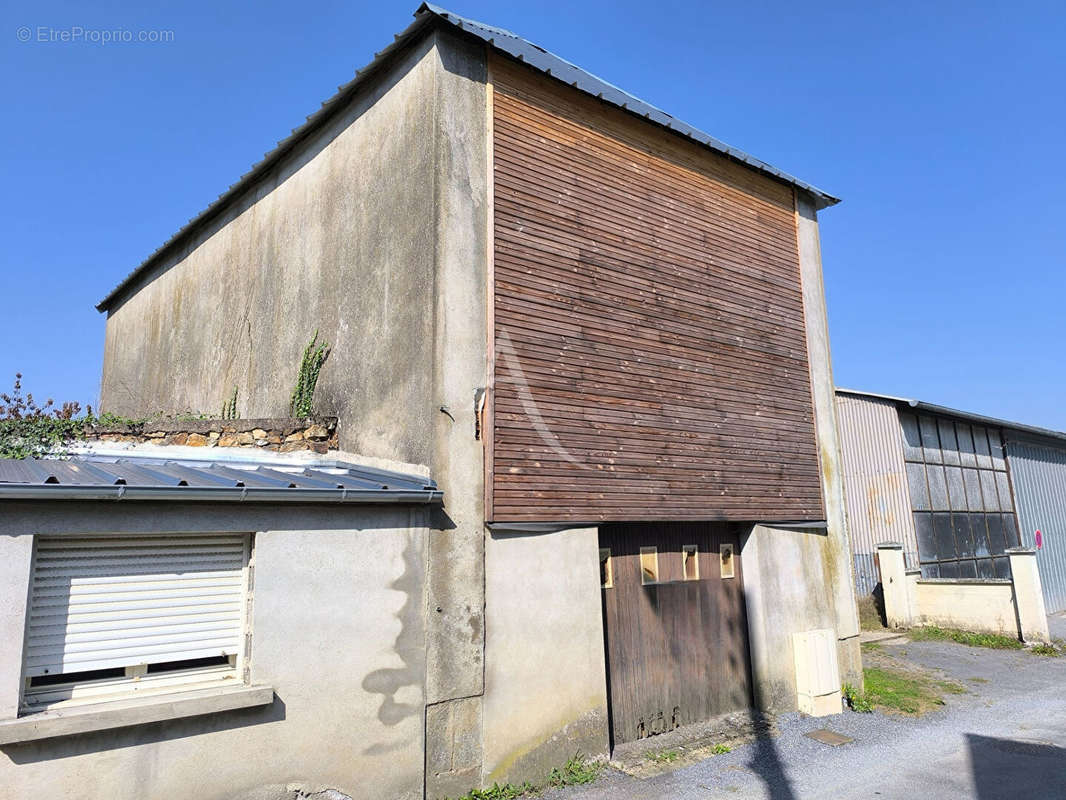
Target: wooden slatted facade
<point>650,357</point>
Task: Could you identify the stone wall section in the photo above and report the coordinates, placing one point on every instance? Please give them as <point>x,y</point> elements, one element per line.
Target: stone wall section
<point>280,435</point>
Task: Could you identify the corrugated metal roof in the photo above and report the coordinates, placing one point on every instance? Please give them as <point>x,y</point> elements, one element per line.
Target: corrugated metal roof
<point>932,408</point>
<point>157,478</point>
<point>505,42</point>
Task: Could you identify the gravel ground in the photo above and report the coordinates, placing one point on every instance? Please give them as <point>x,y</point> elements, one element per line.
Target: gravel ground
<point>1004,738</point>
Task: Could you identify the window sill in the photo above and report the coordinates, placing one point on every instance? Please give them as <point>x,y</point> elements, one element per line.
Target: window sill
<point>139,711</point>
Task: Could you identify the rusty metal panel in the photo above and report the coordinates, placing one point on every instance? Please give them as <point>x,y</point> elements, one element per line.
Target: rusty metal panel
<point>1038,472</point>
<point>875,482</point>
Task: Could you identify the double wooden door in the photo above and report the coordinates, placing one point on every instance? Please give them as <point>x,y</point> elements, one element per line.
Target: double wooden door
<point>675,627</point>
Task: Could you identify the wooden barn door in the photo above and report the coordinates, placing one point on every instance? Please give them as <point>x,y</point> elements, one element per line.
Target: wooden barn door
<point>677,635</point>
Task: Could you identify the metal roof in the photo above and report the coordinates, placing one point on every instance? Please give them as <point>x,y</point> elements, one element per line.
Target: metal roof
<point>503,41</point>
<point>97,477</point>
<point>932,408</point>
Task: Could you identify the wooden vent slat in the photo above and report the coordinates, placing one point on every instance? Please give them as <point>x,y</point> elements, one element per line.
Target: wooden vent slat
<point>650,354</point>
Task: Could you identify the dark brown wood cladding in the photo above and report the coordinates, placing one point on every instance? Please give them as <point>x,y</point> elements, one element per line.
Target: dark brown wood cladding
<point>650,358</point>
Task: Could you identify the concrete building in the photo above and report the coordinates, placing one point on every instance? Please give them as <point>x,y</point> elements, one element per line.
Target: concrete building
<point>175,627</point>
<point>956,490</point>
<point>600,330</point>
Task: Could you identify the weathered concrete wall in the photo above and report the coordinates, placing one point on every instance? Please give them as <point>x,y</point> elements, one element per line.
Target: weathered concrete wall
<point>15,566</point>
<point>375,234</point>
<point>341,239</point>
<point>787,575</point>
<point>967,605</point>
<point>337,631</point>
<point>545,685</point>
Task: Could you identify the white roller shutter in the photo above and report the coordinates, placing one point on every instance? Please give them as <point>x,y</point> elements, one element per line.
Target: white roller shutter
<point>120,601</point>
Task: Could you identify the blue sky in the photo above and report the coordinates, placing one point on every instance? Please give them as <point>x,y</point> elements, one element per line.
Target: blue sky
<point>941,125</point>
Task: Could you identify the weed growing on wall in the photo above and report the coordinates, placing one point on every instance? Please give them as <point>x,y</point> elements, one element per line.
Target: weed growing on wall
<point>29,430</point>
<point>855,699</point>
<point>301,404</point>
<point>229,407</point>
<point>576,771</point>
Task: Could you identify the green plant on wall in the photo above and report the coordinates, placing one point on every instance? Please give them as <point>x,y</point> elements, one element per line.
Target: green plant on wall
<point>229,406</point>
<point>29,430</point>
<point>301,404</point>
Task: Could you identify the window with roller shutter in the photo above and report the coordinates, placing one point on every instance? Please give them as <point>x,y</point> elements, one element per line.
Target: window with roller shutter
<point>116,614</point>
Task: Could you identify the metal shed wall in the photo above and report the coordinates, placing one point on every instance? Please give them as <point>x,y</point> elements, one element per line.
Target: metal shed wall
<point>1038,473</point>
<point>875,483</point>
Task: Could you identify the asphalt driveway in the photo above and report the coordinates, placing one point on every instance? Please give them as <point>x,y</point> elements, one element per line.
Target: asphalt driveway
<point>1005,737</point>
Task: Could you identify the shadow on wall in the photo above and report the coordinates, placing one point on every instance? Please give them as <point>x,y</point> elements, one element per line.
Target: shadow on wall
<point>1012,768</point>
<point>409,647</point>
<point>141,735</point>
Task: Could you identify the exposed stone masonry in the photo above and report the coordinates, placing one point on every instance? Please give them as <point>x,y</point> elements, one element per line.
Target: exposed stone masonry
<point>318,434</point>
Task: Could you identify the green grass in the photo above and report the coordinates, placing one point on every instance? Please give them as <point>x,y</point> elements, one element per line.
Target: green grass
<point>905,692</point>
<point>992,640</point>
<point>496,792</point>
<point>977,680</point>
<point>871,647</point>
<point>950,687</point>
<point>1045,650</point>
<point>721,749</point>
<point>576,771</point>
<point>664,756</point>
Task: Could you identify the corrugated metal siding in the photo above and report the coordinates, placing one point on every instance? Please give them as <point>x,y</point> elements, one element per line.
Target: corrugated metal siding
<point>1038,472</point>
<point>875,483</point>
<point>651,359</point>
<point>106,602</point>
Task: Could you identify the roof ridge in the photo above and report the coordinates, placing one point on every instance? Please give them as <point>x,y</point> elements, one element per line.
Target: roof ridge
<point>514,46</point>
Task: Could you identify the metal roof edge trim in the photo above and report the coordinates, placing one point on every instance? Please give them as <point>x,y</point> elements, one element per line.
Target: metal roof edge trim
<point>425,16</point>
<point>220,494</point>
<point>933,408</point>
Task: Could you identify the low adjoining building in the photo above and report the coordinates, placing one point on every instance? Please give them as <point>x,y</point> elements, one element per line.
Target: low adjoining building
<point>209,626</point>
<point>956,490</point>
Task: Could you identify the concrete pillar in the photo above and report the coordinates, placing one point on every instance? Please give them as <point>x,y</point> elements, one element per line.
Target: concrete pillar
<point>895,585</point>
<point>455,640</point>
<point>911,582</point>
<point>16,553</point>
<point>1028,595</point>
<point>839,580</point>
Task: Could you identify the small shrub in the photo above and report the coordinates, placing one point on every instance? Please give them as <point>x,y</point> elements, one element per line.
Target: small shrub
<point>855,699</point>
<point>301,404</point>
<point>576,771</point>
<point>721,749</point>
<point>29,430</point>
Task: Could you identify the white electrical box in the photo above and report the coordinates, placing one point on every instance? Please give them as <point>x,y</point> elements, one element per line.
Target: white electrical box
<point>817,673</point>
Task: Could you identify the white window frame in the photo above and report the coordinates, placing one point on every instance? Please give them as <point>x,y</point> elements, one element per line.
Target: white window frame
<point>136,680</point>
